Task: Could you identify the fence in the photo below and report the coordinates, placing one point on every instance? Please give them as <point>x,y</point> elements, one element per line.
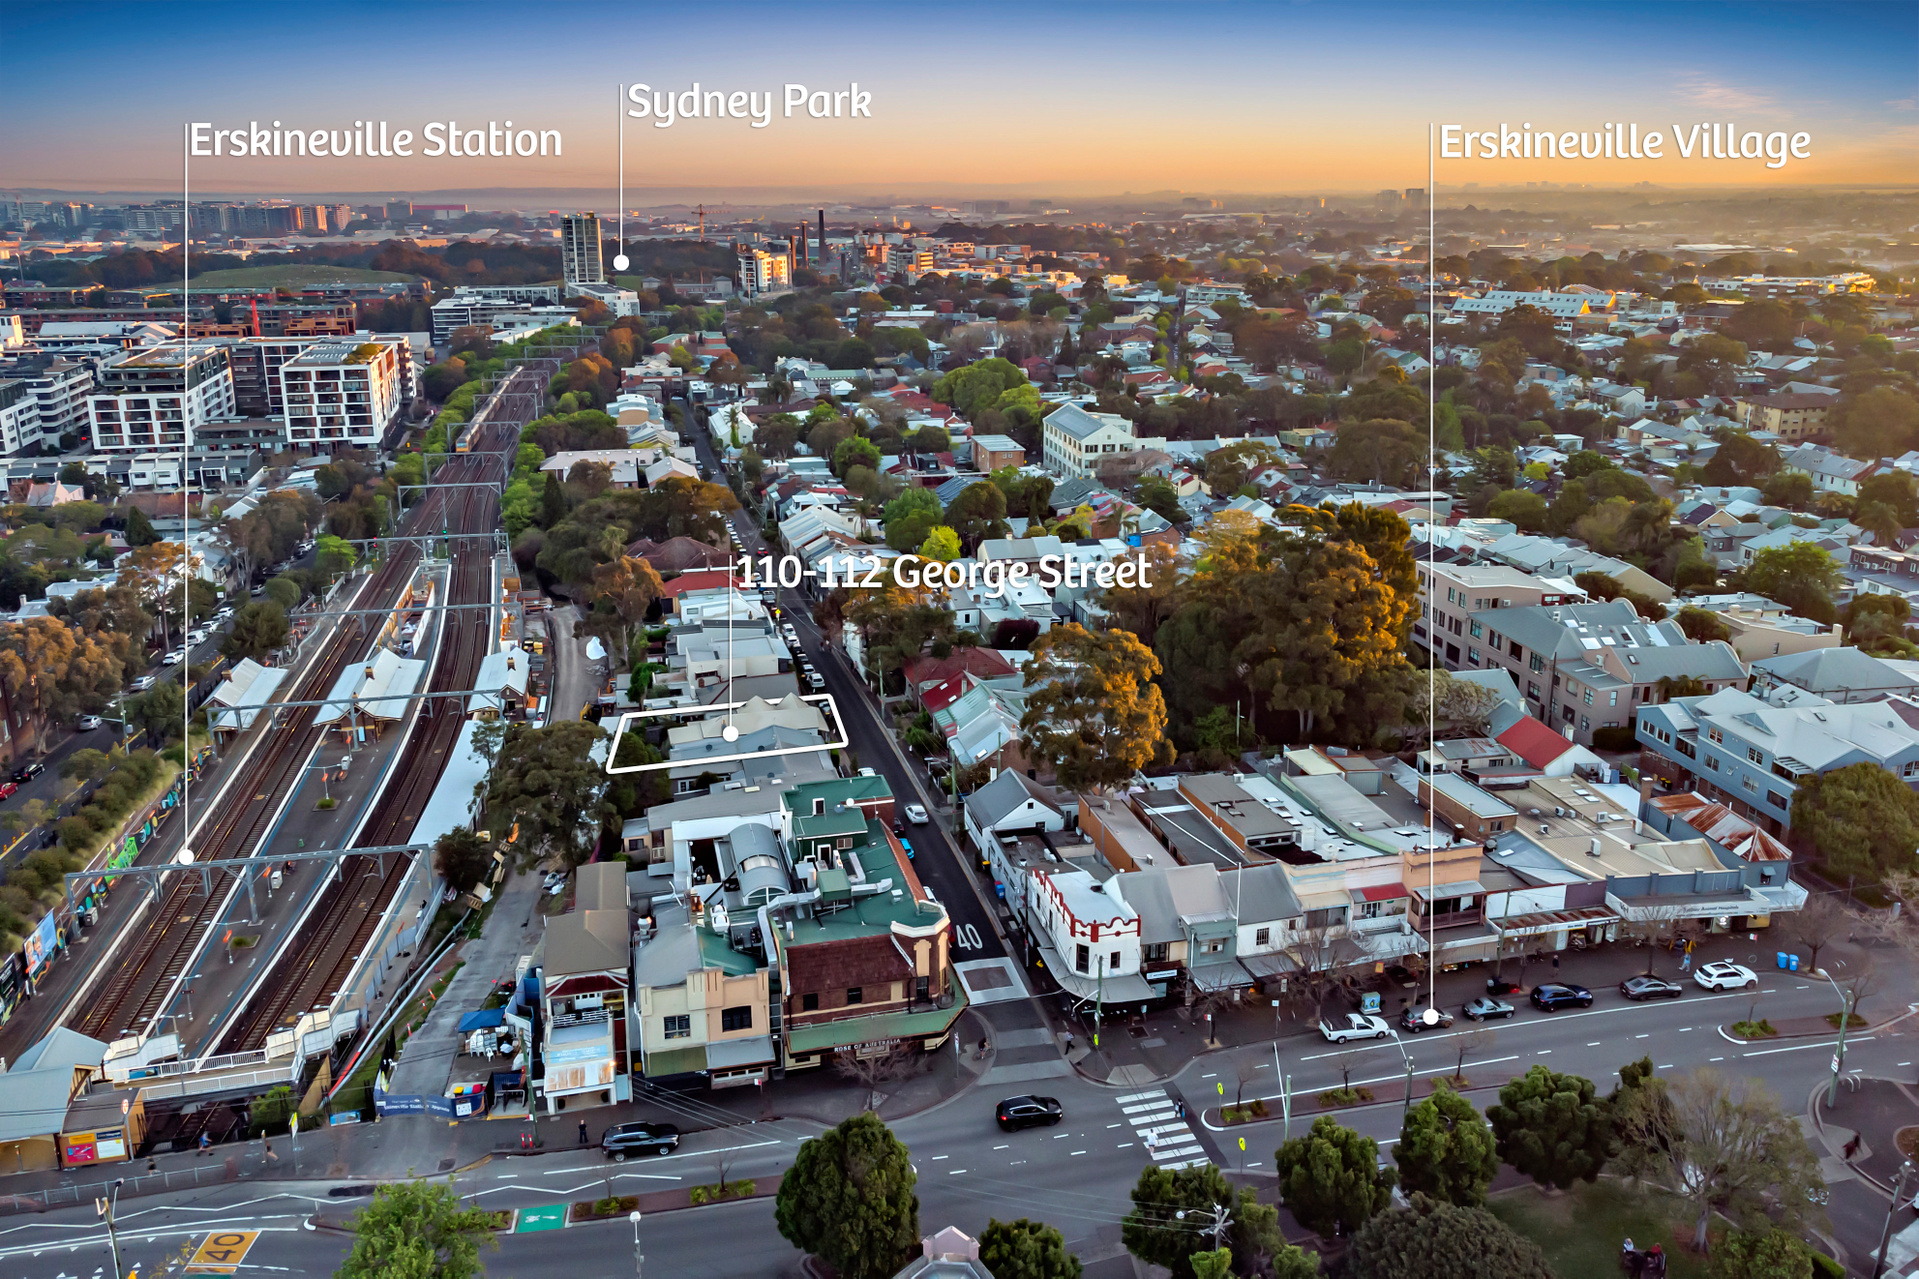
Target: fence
<point>206,1172</point>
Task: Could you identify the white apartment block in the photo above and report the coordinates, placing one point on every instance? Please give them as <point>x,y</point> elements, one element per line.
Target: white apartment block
<point>580,249</point>
<point>343,394</point>
<point>463,310</point>
<point>763,272</point>
<point>19,417</point>
<point>151,398</point>
<point>1076,441</point>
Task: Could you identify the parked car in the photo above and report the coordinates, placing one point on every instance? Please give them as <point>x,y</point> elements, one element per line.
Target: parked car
<point>1416,1019</point>
<point>174,658</point>
<point>222,613</point>
<point>142,684</point>
<point>1554,995</point>
<point>1015,1113</point>
<point>87,723</point>
<point>1485,1008</point>
<point>815,681</point>
<point>27,772</point>
<point>1725,975</point>
<point>1355,1026</point>
<point>907,844</point>
<point>916,814</point>
<point>1644,987</point>
<point>623,1140</point>
<point>7,789</point>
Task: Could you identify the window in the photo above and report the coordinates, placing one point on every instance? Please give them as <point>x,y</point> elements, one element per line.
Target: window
<point>740,1018</point>
<point>1754,754</point>
<point>1749,784</point>
<point>1082,959</point>
<point>1156,952</point>
<point>1712,763</point>
<point>1589,697</point>
<point>1472,656</point>
<point>1368,910</point>
<point>1538,663</point>
<point>1780,799</point>
<point>679,1026</point>
<point>809,1003</point>
<point>1210,946</point>
<point>1112,962</point>
<point>855,995</point>
<point>1477,629</point>
<point>1263,937</point>
<point>1532,690</point>
<point>1714,735</point>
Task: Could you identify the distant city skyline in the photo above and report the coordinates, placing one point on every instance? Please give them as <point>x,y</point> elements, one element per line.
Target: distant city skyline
<point>997,100</point>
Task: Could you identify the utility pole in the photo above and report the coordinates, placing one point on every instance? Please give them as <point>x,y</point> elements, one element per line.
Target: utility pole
<point>104,1207</point>
<point>1885,1235</point>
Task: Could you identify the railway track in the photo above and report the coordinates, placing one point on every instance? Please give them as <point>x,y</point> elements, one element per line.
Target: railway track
<point>343,922</point>
<point>132,993</point>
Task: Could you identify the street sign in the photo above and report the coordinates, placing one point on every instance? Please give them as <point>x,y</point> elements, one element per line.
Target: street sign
<point>221,1252</point>
<point>1835,1063</point>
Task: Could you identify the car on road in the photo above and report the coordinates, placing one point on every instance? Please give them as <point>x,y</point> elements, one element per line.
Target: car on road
<point>916,814</point>
<point>27,772</point>
<point>222,613</point>
<point>142,684</point>
<point>815,681</point>
<point>1553,995</point>
<point>1646,986</point>
<point>1015,1113</point>
<point>790,632</point>
<point>1416,1020</point>
<point>1485,1008</point>
<point>1355,1026</point>
<point>7,789</point>
<point>174,658</point>
<point>1725,975</point>
<point>622,1141</point>
<point>907,844</point>
<point>87,723</point>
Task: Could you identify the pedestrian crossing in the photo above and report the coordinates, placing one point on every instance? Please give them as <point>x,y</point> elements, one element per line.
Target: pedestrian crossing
<point>1166,1137</point>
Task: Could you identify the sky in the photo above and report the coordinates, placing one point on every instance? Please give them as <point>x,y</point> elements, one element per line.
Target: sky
<point>985,99</point>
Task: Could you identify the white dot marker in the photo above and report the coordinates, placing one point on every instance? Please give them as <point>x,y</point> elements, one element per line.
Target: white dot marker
<point>620,261</point>
<point>731,733</point>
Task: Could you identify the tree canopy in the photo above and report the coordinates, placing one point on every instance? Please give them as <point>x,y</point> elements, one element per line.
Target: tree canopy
<point>1093,712</point>
<point>1554,1128</point>
<point>1330,1179</point>
<point>1861,819</point>
<point>849,1199</point>
<point>1025,1249</point>
<point>1433,1240</point>
<point>417,1230</point>
<point>1446,1150</point>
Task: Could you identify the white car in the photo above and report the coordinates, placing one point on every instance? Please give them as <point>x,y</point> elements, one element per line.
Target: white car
<point>916,814</point>
<point>142,684</point>
<point>1355,1026</point>
<point>174,658</point>
<point>1723,975</point>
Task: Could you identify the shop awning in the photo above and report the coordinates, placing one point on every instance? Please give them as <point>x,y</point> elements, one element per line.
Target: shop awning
<point>1121,988</point>
<point>1380,893</point>
<point>1458,888</point>
<point>734,1054</point>
<point>1225,976</point>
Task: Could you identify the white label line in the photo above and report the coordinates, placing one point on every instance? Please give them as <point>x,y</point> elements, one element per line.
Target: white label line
<point>1142,1096</point>
<point>1793,1048</point>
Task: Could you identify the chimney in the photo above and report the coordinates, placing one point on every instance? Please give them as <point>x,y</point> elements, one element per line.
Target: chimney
<point>822,257</point>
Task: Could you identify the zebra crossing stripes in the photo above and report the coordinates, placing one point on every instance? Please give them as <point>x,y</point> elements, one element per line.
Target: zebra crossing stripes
<point>1155,1118</point>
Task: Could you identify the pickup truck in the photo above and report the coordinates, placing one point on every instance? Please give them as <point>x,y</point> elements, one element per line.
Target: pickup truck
<point>1355,1026</point>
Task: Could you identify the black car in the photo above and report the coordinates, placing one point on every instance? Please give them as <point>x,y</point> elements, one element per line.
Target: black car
<point>1643,987</point>
<point>1555,995</point>
<point>1029,1112</point>
<point>27,772</point>
<point>623,1140</point>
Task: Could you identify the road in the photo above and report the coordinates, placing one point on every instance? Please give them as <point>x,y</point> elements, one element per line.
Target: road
<point>1076,1176</point>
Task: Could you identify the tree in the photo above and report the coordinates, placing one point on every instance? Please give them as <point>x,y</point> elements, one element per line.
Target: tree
<point>1026,1249</point>
<point>1552,1127</point>
<point>51,671</point>
<point>334,555</point>
<point>1331,1180</point>
<point>1457,705</point>
<point>1800,575</point>
<point>854,451</point>
<point>462,858</point>
<point>941,543</point>
<point>1382,451</point>
<point>1769,1253</point>
<point>1861,819</point>
<point>1791,489</point>
<point>547,785</point>
<point>625,588</point>
<point>1525,510</point>
<point>1740,459</point>
<point>1722,1144</point>
<point>1702,625</point>
<point>1173,1208</point>
<point>418,1230</point>
<point>1880,422</point>
<point>139,530</point>
<point>258,629</point>
<point>161,709</point>
<point>977,512</point>
<point>1093,712</point>
<point>909,517</point>
<point>1823,919</point>
<point>849,1199</point>
<point>1446,1150</point>
<point>1434,1240</point>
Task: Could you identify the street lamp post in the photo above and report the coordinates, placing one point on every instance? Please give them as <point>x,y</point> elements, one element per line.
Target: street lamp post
<point>105,1208</point>
<point>638,1259</point>
<point>1885,1235</point>
<point>1839,1049</point>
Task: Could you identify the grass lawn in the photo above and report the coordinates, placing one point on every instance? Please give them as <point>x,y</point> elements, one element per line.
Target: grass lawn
<point>1581,1230</point>
<point>294,275</point>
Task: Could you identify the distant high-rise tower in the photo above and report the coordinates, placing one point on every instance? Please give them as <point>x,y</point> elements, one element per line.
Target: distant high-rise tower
<point>580,249</point>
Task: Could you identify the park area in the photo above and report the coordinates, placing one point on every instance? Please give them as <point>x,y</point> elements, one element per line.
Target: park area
<point>1581,1230</point>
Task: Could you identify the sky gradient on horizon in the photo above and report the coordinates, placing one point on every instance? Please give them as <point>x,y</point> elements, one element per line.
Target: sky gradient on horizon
<point>1000,99</point>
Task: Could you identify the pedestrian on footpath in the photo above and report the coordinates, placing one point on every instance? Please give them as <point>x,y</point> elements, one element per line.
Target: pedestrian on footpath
<point>582,1132</point>
<point>1555,962</point>
<point>271,1157</point>
<point>205,1143</point>
<point>1069,1041</point>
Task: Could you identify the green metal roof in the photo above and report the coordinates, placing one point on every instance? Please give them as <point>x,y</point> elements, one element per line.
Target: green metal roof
<point>838,790</point>
<point>674,1061</point>
<point>830,824</point>
<point>858,1030</point>
<point>715,953</point>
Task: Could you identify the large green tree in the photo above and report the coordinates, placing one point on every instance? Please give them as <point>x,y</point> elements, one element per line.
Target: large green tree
<point>1800,575</point>
<point>258,628</point>
<point>1446,1150</point>
<point>1093,712</point>
<point>1433,1240</point>
<point>1173,1213</point>
<point>417,1230</point>
<point>1330,1179</point>
<point>1862,820</point>
<point>547,784</point>
<point>1766,1253</point>
<point>1554,1128</point>
<point>849,1199</point>
<point>1027,1249</point>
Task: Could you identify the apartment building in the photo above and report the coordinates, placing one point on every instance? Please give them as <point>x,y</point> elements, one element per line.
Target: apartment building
<point>152,397</point>
<point>1589,666</point>
<point>344,394</point>
<point>1752,755</point>
<point>762,271</point>
<point>1451,593</point>
<point>580,249</point>
<point>1792,417</point>
<point>1075,441</point>
<point>19,417</point>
